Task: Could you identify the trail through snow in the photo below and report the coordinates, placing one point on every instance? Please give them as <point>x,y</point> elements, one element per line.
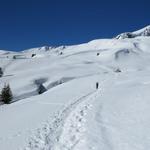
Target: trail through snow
<point>67,130</point>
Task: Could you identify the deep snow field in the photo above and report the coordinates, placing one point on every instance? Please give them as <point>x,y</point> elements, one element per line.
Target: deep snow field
<point>71,114</point>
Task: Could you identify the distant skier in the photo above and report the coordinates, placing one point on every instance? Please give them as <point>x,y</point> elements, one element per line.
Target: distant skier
<point>97,85</point>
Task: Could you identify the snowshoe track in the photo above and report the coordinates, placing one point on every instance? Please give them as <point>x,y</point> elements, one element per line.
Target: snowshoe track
<point>67,129</point>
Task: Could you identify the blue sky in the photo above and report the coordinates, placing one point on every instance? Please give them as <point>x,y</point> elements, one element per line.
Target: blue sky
<point>31,23</point>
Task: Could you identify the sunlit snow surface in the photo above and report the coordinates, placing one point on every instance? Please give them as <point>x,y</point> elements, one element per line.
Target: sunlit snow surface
<point>72,114</point>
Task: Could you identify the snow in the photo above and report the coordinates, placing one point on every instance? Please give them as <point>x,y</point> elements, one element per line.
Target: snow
<point>71,113</point>
<point>142,32</point>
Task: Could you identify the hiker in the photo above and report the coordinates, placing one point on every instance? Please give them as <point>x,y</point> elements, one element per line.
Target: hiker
<point>97,84</point>
<point>97,54</point>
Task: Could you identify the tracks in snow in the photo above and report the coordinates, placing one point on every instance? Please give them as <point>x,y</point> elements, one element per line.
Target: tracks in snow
<point>74,126</point>
<point>65,132</point>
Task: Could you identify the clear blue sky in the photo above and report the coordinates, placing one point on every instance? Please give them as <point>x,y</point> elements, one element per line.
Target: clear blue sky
<point>32,23</point>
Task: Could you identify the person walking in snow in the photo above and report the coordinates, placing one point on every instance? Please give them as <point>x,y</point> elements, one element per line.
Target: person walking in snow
<point>97,85</point>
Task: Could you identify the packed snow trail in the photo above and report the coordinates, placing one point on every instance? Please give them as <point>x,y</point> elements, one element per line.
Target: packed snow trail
<point>73,129</point>
<point>65,132</point>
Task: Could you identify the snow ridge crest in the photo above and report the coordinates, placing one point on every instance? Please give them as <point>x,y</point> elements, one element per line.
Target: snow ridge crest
<point>142,32</point>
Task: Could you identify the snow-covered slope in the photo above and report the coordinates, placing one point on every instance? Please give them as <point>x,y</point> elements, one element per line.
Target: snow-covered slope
<point>142,32</point>
<point>71,113</point>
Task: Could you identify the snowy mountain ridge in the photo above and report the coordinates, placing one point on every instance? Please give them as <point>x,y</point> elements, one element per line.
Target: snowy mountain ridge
<point>142,32</point>
<point>56,105</point>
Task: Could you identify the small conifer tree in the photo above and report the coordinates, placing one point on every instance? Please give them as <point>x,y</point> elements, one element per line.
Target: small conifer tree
<point>6,94</point>
<point>1,72</point>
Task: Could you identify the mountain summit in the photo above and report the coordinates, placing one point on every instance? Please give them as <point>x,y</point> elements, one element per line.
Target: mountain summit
<point>142,32</point>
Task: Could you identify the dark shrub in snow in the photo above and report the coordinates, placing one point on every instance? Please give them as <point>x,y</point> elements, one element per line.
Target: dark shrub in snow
<point>6,94</point>
<point>33,55</point>
<point>1,72</point>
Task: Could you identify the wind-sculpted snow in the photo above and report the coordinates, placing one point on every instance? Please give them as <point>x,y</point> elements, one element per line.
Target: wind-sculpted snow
<point>125,53</point>
<point>60,81</point>
<point>41,88</point>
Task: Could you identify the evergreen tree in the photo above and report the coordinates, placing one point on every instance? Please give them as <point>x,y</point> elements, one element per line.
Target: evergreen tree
<point>0,99</point>
<point>6,94</point>
<point>1,72</point>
